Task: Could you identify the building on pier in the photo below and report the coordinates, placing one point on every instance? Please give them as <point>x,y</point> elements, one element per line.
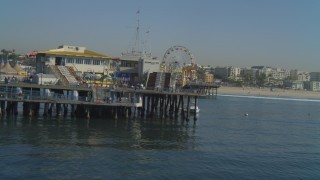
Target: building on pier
<point>72,63</point>
<point>75,64</point>
<point>136,66</point>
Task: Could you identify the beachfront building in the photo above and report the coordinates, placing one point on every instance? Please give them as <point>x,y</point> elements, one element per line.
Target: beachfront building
<point>228,72</point>
<point>221,72</point>
<point>274,76</point>
<point>208,77</point>
<point>248,76</point>
<point>299,85</point>
<point>268,71</point>
<point>68,61</point>
<point>299,75</point>
<point>312,85</point>
<point>314,76</point>
<point>234,72</point>
<point>279,74</point>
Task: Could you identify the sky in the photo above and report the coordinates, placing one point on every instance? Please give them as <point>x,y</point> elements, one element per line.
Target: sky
<point>242,33</point>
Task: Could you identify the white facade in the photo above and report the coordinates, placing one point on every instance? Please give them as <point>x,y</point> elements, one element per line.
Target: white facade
<point>299,75</point>
<point>313,85</point>
<point>304,76</point>
<point>148,66</point>
<point>279,74</point>
<point>138,64</point>
<point>81,64</point>
<point>234,72</point>
<point>228,72</point>
<point>45,79</point>
<point>294,84</point>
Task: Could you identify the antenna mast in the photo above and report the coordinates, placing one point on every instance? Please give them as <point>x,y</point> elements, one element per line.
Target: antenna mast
<point>137,40</point>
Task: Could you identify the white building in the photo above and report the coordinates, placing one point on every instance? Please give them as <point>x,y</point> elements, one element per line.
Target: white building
<point>294,84</point>
<point>263,70</point>
<point>299,75</point>
<point>312,85</point>
<point>136,65</point>
<point>234,72</point>
<point>230,72</point>
<point>279,74</point>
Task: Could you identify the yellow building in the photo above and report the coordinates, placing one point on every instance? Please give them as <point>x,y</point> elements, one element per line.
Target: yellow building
<point>80,59</point>
<point>208,77</point>
<point>189,74</point>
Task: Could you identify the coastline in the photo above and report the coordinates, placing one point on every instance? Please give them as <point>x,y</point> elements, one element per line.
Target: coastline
<point>267,92</point>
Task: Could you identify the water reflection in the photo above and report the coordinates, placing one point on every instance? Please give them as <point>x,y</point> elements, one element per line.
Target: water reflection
<point>123,134</point>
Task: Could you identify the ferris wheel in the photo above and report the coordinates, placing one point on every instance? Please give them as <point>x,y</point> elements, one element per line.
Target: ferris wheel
<point>177,57</point>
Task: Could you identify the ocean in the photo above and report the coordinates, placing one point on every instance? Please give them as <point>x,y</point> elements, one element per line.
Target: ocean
<point>235,137</point>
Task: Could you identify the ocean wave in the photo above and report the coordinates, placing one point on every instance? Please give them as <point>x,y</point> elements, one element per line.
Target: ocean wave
<point>271,98</point>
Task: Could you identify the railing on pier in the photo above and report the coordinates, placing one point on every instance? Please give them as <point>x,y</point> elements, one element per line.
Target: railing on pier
<point>17,93</point>
<point>10,93</point>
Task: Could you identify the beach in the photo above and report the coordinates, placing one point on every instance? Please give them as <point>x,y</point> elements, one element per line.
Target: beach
<point>268,92</point>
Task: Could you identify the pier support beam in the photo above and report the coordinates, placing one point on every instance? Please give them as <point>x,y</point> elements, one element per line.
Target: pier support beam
<point>65,109</point>
<point>50,109</point>
<point>188,108</point>
<point>182,107</point>
<point>195,108</point>
<point>30,111</point>
<point>87,112</point>
<point>15,108</point>
<point>46,109</point>
<point>58,109</point>
<point>36,108</point>
<point>148,106</point>
<point>73,110</point>
<point>142,109</point>
<point>12,108</point>
<point>115,112</point>
<point>3,107</point>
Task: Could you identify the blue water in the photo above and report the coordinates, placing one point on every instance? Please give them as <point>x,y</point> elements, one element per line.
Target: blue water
<point>279,139</point>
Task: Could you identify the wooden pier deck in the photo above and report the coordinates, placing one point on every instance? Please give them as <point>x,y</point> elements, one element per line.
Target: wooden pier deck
<point>98,101</point>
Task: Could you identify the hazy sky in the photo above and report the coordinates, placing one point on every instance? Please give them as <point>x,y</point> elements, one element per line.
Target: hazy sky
<point>243,33</point>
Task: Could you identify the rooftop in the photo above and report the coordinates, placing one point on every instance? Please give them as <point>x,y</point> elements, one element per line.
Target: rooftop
<point>74,51</point>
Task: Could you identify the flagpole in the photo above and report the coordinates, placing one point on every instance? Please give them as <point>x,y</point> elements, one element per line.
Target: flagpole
<point>0,68</point>
<point>138,32</point>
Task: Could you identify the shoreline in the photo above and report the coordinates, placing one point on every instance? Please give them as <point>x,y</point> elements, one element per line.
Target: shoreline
<point>267,92</point>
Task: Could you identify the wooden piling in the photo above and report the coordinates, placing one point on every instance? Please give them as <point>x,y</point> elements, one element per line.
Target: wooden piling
<point>188,108</point>
<point>46,109</point>
<point>195,106</point>
<point>158,103</point>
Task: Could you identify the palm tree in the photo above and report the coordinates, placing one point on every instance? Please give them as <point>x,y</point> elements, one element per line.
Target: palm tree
<point>3,51</point>
<point>261,79</point>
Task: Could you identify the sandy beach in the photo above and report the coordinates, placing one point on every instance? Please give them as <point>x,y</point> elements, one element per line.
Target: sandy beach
<point>267,92</point>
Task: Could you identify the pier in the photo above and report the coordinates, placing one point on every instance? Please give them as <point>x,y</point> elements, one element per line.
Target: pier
<point>99,102</point>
